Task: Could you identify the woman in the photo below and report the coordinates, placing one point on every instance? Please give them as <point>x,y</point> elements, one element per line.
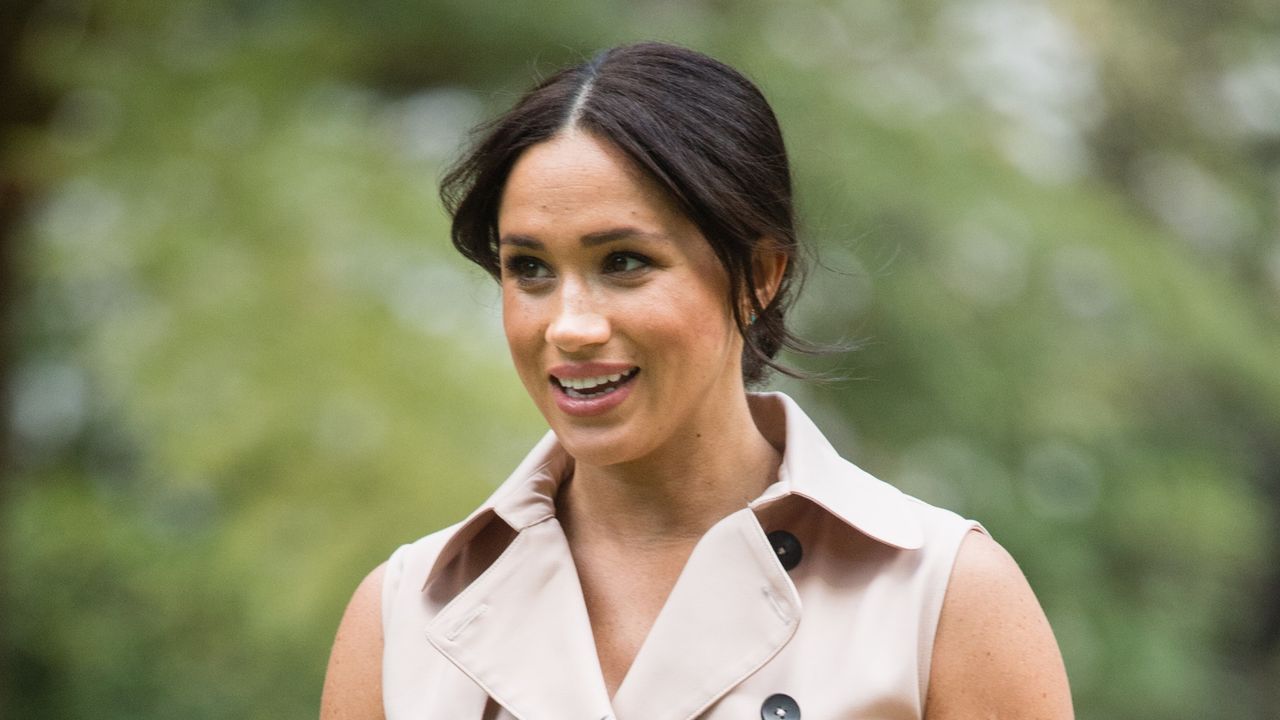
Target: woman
<point>675,547</point>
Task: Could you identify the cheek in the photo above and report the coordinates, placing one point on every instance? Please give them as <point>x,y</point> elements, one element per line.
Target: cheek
<point>520,326</point>
<point>694,318</point>
<point>510,325</point>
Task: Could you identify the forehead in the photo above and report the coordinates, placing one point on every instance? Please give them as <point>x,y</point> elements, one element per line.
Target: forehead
<point>577,178</point>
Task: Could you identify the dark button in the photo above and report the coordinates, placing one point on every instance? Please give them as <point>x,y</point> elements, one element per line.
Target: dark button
<point>779,707</point>
<point>786,547</point>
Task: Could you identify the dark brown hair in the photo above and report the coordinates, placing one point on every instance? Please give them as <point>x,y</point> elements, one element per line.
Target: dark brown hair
<point>699,128</point>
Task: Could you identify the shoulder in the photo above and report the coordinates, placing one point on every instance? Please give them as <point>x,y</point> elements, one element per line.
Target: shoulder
<point>994,653</point>
<point>353,682</point>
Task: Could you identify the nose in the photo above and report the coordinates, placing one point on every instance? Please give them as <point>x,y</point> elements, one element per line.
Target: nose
<point>579,321</point>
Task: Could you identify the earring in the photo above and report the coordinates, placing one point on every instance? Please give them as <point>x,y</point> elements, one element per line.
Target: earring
<point>752,319</point>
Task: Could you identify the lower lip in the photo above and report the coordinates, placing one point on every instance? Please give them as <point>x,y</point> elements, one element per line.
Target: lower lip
<point>588,407</point>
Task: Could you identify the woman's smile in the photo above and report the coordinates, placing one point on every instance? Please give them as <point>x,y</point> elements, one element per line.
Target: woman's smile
<point>588,389</point>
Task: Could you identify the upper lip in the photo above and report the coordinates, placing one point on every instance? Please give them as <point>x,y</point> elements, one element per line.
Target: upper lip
<point>577,371</point>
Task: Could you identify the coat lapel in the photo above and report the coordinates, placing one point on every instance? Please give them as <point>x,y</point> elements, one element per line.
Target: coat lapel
<point>521,629</point>
<point>732,609</point>
<point>522,633</point>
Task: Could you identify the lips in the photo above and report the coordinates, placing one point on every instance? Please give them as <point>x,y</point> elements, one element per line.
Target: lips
<point>588,389</point>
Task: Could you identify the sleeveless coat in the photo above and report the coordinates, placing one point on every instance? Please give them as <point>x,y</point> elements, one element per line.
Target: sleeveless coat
<point>820,598</point>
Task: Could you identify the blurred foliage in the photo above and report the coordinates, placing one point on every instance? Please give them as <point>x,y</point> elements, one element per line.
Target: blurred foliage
<point>247,365</point>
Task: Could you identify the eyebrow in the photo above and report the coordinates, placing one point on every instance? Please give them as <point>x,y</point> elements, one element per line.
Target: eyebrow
<point>600,237</point>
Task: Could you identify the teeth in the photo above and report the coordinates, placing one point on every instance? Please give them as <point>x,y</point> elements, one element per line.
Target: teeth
<point>589,382</point>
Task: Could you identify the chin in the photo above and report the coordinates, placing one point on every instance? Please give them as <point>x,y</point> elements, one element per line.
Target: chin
<point>596,446</point>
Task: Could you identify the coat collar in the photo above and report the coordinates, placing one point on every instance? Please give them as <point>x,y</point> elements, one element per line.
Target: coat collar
<point>811,468</point>
<point>520,630</point>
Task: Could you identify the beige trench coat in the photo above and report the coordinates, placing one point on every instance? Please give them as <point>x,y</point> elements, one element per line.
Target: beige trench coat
<point>486,619</point>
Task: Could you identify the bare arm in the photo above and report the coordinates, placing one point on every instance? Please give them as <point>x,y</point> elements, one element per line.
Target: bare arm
<point>994,654</point>
<point>353,683</point>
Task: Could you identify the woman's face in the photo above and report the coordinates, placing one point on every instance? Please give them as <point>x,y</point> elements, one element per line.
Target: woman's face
<point>614,304</point>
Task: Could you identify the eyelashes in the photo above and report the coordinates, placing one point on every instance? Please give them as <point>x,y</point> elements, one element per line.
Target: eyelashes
<point>525,267</point>
<point>626,262</point>
<point>528,269</point>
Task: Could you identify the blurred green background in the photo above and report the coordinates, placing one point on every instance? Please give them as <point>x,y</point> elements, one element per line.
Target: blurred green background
<point>241,363</point>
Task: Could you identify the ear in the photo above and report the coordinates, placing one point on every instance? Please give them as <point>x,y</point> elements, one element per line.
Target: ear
<point>769,266</point>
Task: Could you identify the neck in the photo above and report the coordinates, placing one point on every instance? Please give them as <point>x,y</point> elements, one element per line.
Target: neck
<point>673,495</point>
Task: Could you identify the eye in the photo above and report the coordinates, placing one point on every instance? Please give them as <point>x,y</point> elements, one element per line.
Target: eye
<point>526,267</point>
<point>625,263</point>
